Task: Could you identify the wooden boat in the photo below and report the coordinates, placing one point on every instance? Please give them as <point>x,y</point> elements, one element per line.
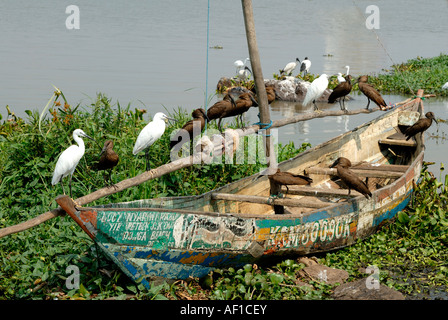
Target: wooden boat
<point>181,237</point>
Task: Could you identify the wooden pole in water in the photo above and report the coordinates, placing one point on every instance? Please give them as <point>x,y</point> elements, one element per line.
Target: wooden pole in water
<point>254,56</point>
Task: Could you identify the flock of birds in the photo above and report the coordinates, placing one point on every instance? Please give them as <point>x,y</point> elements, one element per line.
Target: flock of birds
<point>235,103</point>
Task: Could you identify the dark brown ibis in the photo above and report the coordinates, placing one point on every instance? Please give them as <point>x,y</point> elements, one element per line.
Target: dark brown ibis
<point>108,159</point>
<point>270,92</point>
<point>219,107</point>
<point>199,118</point>
<point>340,91</point>
<point>420,126</point>
<point>350,179</point>
<point>229,107</point>
<point>287,179</point>
<point>371,93</point>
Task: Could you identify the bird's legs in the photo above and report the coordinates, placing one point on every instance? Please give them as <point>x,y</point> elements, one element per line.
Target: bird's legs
<point>343,103</point>
<point>62,186</point>
<point>368,103</point>
<point>109,180</point>
<point>70,186</point>
<point>148,165</point>
<point>316,109</point>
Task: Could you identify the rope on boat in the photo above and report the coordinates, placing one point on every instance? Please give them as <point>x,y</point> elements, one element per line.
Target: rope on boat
<point>384,48</point>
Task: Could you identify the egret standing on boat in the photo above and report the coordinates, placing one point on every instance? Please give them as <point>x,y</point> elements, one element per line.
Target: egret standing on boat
<point>305,66</point>
<point>150,134</point>
<point>316,90</point>
<point>289,68</point>
<point>69,159</point>
<point>420,126</point>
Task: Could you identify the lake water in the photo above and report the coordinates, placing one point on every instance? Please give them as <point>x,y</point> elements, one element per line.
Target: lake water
<point>153,53</point>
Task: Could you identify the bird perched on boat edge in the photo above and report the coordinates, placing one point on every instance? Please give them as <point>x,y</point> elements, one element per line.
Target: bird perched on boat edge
<point>69,159</point>
<point>340,91</point>
<point>150,134</point>
<point>108,159</point>
<point>316,90</point>
<point>287,179</point>
<point>371,93</point>
<point>199,117</point>
<point>305,66</point>
<point>350,179</point>
<point>289,68</point>
<point>420,126</point>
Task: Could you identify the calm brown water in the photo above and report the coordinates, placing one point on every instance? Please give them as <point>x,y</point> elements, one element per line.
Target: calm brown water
<point>153,53</point>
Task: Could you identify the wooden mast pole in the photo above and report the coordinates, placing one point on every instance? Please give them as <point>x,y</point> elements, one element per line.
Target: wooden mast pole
<point>263,104</point>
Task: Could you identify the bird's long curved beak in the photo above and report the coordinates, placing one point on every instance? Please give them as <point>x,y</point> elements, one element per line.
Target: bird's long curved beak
<point>255,103</point>
<point>335,163</point>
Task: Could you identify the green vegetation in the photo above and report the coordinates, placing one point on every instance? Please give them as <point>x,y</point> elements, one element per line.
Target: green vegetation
<point>429,74</point>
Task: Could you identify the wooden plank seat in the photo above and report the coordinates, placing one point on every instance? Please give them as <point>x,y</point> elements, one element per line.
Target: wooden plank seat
<point>320,192</point>
<point>370,172</point>
<point>401,143</point>
<point>398,139</point>
<point>302,202</point>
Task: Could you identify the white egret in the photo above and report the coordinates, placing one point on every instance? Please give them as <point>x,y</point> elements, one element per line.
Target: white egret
<point>305,66</point>
<point>445,86</point>
<point>69,159</point>
<point>316,90</point>
<point>348,70</point>
<point>150,134</point>
<point>240,64</point>
<point>289,68</point>
<point>340,78</point>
